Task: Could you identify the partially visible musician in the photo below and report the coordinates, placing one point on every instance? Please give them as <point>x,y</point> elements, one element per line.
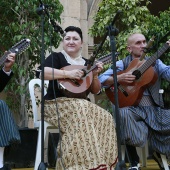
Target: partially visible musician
<point>148,120</point>
<point>87,131</point>
<point>9,133</point>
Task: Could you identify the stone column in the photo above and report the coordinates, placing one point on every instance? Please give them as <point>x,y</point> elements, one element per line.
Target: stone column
<point>75,13</point>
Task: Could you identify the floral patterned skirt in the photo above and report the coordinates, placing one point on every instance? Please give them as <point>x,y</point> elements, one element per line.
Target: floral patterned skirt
<point>88,134</point>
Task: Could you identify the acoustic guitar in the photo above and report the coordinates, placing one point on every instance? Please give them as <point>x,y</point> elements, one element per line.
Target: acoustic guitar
<point>18,48</point>
<point>131,94</point>
<point>80,88</point>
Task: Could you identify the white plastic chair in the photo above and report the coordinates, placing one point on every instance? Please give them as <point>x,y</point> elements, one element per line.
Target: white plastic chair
<point>163,157</point>
<point>143,156</point>
<point>143,152</point>
<point>37,123</point>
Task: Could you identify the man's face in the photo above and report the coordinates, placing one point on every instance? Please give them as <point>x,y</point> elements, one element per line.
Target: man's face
<point>136,45</point>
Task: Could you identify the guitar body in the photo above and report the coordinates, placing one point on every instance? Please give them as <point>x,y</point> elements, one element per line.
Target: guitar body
<point>131,94</point>
<point>76,88</point>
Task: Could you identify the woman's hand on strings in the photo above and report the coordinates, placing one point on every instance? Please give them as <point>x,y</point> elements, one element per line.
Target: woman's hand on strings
<point>98,69</point>
<point>75,74</point>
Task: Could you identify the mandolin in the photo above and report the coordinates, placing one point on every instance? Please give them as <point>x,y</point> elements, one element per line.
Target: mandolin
<point>80,88</point>
<point>18,48</point>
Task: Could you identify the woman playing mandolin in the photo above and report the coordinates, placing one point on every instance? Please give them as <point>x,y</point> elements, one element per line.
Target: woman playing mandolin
<point>142,115</point>
<point>87,131</point>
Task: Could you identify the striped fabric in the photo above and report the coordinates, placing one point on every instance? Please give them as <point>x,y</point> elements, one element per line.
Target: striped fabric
<point>147,121</point>
<point>146,101</point>
<point>9,133</point>
<point>144,123</point>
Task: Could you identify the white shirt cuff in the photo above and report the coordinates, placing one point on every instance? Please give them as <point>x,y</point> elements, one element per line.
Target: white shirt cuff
<point>8,73</point>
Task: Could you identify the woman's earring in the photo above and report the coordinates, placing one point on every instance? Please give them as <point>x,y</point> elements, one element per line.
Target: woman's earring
<point>80,50</point>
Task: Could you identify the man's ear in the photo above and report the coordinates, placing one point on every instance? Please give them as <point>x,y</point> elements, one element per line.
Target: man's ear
<point>129,49</point>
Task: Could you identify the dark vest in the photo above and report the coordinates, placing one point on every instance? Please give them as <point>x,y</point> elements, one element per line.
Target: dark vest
<point>154,89</point>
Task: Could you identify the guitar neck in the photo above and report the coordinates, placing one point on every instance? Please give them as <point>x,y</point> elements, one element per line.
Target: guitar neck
<point>148,46</point>
<point>105,59</point>
<point>152,59</point>
<point>18,48</point>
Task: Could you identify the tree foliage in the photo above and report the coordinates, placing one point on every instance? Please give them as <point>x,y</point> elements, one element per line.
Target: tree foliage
<point>19,19</point>
<point>159,26</point>
<point>135,17</point>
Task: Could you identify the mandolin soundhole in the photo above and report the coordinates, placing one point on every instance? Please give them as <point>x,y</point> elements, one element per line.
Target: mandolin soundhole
<point>137,73</point>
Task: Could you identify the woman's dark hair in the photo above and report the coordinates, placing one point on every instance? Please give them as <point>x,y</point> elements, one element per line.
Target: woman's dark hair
<point>76,29</point>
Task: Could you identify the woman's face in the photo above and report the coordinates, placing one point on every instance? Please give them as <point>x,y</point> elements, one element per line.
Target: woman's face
<point>72,43</point>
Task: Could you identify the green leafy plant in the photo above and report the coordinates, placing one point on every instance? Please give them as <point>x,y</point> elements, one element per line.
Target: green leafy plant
<point>19,20</point>
<point>159,26</point>
<point>135,17</point>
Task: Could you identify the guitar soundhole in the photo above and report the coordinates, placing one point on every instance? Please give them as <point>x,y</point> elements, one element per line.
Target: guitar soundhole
<point>76,83</point>
<point>137,73</point>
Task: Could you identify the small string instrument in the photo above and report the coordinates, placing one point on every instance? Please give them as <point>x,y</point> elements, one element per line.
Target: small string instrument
<point>80,88</point>
<point>18,48</point>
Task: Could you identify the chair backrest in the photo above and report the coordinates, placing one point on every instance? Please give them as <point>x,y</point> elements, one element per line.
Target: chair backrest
<point>32,86</point>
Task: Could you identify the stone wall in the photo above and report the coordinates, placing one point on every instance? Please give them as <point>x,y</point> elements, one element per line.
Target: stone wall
<point>75,13</point>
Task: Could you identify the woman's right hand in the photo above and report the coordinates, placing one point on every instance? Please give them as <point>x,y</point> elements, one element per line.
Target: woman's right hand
<point>74,74</point>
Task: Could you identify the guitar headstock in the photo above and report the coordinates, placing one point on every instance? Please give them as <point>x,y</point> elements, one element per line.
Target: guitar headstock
<point>108,58</point>
<point>20,47</point>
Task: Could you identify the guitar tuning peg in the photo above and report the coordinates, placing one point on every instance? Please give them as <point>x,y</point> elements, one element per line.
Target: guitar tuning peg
<point>16,50</point>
